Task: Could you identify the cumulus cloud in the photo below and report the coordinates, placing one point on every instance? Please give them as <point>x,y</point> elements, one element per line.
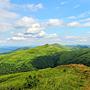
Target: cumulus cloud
<point>25,21</point>
<point>34,30</point>
<point>28,36</point>
<point>8,16</point>
<point>55,22</point>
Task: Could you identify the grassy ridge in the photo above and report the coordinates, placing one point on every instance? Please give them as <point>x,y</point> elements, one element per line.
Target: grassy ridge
<point>76,56</point>
<point>42,57</point>
<point>21,60</point>
<point>47,67</point>
<point>67,77</point>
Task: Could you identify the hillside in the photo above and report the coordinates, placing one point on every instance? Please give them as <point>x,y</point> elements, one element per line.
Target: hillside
<point>41,57</point>
<point>21,60</point>
<point>47,67</point>
<point>64,77</point>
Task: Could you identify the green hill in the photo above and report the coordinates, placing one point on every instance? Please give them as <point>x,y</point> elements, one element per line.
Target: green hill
<point>64,77</point>
<point>41,57</point>
<point>47,67</point>
<point>75,56</point>
<point>23,59</point>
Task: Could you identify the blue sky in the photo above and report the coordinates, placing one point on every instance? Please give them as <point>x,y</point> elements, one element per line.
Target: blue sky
<point>37,22</point>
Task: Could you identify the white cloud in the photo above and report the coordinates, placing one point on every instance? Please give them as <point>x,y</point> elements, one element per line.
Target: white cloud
<point>17,38</point>
<point>52,35</point>
<point>5,14</point>
<point>78,24</point>
<point>35,28</point>
<point>85,20</point>
<point>5,10</point>
<point>74,24</point>
<point>84,14</point>
<point>55,22</point>
<point>25,21</point>
<point>5,27</point>
<point>78,39</point>
<point>87,24</point>
<point>34,7</point>
<point>29,37</point>
<point>35,31</point>
<point>2,41</point>
<point>29,7</point>
<point>72,17</point>
<point>80,16</point>
<point>42,33</point>
<point>5,4</point>
<point>7,17</point>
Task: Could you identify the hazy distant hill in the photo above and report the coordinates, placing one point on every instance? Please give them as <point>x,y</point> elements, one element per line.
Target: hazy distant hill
<point>79,46</point>
<point>7,49</point>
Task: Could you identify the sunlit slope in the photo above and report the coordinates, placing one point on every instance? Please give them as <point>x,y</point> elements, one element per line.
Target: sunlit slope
<point>64,77</point>
<point>22,60</point>
<point>41,57</point>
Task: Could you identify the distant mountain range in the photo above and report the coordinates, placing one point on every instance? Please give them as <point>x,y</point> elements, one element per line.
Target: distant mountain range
<point>79,46</point>
<point>6,49</point>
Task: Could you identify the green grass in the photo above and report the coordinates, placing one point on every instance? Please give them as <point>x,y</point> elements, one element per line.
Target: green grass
<point>42,57</point>
<point>23,59</point>
<point>68,77</point>
<point>47,67</point>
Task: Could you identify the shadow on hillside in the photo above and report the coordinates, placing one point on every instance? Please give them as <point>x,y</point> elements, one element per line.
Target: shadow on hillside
<point>42,62</point>
<point>63,58</point>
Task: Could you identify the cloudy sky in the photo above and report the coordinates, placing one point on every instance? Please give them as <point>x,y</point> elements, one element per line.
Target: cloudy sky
<point>37,22</point>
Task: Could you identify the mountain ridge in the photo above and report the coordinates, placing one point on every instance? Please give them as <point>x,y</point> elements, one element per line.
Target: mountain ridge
<point>42,57</point>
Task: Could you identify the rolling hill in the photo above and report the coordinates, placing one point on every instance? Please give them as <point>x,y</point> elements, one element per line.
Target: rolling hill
<point>47,67</point>
<point>41,57</point>
<point>64,77</point>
